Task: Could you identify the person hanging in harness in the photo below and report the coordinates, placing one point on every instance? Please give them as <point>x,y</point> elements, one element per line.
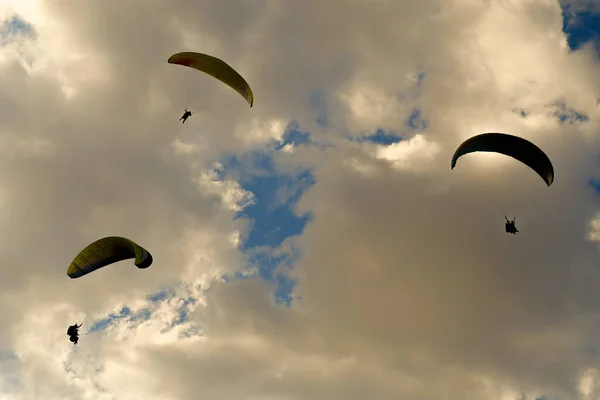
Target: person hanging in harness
<point>73,333</point>
<point>510,226</point>
<point>185,116</point>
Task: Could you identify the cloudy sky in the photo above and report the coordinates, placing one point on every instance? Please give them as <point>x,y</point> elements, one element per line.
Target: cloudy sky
<point>316,246</point>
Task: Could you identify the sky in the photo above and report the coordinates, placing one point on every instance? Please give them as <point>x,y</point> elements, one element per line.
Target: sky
<point>316,245</point>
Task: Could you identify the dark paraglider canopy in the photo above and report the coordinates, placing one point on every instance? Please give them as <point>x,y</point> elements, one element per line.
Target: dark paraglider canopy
<point>512,146</point>
<point>106,251</point>
<point>101,253</point>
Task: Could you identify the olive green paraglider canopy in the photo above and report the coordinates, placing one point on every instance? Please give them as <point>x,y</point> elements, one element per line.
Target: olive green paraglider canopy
<point>512,146</point>
<point>216,68</point>
<point>106,251</point>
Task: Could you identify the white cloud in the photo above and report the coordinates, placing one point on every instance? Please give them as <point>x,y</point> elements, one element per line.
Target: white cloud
<point>233,196</point>
<point>402,291</point>
<point>409,154</point>
<point>259,131</point>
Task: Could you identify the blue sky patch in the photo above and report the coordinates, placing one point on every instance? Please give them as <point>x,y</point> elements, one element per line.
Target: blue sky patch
<point>274,268</point>
<point>581,26</point>
<point>420,78</point>
<point>595,184</point>
<point>159,296</point>
<point>183,311</point>
<point>381,136</point>
<point>293,135</point>
<point>519,111</point>
<point>415,120</point>
<point>191,331</point>
<point>15,27</point>
<point>124,314</point>
<point>185,305</point>
<point>272,217</point>
<point>567,116</point>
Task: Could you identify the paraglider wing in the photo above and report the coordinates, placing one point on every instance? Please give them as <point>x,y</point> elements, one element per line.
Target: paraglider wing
<point>216,68</point>
<point>107,251</point>
<point>512,146</point>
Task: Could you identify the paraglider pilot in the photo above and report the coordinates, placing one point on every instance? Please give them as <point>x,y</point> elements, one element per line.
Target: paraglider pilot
<point>73,333</point>
<point>185,116</point>
<point>510,226</point>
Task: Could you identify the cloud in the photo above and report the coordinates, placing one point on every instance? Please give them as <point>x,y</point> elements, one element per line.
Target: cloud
<point>316,245</point>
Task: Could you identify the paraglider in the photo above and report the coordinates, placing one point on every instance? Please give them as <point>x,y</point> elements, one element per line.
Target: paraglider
<point>107,251</point>
<point>512,146</point>
<point>186,115</point>
<point>510,226</point>
<point>216,68</point>
<point>73,332</point>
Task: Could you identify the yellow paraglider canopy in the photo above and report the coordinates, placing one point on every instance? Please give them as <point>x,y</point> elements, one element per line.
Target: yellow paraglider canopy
<point>216,68</point>
<point>106,251</point>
